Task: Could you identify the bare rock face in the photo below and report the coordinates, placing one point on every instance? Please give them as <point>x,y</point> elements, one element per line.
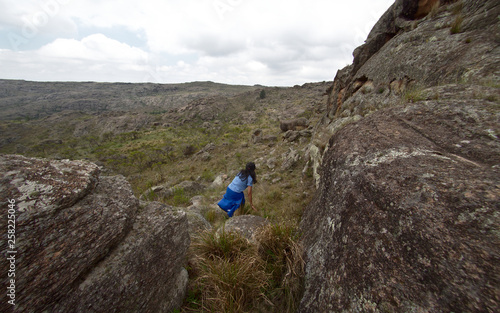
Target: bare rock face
<point>81,243</point>
<point>404,49</point>
<point>407,211</point>
<point>407,214</point>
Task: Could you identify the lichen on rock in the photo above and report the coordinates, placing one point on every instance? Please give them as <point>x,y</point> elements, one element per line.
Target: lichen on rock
<point>83,242</point>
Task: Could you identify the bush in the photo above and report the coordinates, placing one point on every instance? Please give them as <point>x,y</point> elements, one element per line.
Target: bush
<point>456,25</point>
<point>180,198</point>
<point>189,150</point>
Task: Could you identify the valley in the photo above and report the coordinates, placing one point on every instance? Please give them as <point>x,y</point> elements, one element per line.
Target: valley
<point>159,134</point>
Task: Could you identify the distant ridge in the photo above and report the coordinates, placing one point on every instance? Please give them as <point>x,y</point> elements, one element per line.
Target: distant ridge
<point>20,99</point>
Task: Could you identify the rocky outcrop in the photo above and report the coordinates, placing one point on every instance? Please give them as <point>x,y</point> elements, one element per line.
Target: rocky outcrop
<point>406,218</point>
<point>84,244</point>
<point>258,137</point>
<point>165,191</point>
<point>401,50</point>
<point>407,161</point>
<point>290,159</point>
<point>409,49</point>
<point>219,181</point>
<point>294,135</point>
<point>294,124</point>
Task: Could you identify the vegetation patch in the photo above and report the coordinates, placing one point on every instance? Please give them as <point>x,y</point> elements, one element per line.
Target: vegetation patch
<point>414,93</point>
<point>456,25</point>
<point>231,274</point>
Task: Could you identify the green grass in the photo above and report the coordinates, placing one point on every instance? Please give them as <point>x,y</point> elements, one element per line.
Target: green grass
<point>208,175</point>
<point>180,197</point>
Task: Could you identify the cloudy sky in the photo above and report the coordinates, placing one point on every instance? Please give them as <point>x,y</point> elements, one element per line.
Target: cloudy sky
<point>268,42</point>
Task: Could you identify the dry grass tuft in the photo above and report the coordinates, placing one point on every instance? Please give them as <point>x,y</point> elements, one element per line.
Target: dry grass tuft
<point>231,274</point>
<point>280,248</point>
<point>231,285</point>
<point>456,25</point>
<point>457,8</point>
<point>228,273</point>
<point>435,9</point>
<point>225,245</point>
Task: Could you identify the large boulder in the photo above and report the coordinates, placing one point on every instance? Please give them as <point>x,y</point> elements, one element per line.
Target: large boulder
<point>83,244</point>
<point>407,214</point>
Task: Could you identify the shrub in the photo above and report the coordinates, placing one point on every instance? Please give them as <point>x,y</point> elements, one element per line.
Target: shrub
<point>413,94</point>
<point>179,197</point>
<point>456,25</point>
<point>189,150</point>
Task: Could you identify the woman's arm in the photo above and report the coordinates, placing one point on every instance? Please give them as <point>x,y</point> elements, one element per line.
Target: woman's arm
<point>250,197</point>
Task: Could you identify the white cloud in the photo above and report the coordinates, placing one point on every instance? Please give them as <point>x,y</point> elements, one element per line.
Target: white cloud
<point>274,42</point>
<point>96,47</point>
<point>31,18</point>
<point>94,57</point>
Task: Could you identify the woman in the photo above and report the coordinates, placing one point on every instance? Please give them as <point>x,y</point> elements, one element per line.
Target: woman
<point>234,197</point>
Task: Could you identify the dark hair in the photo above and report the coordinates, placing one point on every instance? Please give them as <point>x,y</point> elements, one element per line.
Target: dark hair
<point>248,171</point>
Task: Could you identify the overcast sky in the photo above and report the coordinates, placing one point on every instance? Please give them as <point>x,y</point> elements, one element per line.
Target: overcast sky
<point>267,42</point>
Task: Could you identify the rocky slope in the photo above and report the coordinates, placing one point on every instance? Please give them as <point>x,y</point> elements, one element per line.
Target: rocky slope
<point>455,43</point>
<point>83,243</point>
<point>406,214</point>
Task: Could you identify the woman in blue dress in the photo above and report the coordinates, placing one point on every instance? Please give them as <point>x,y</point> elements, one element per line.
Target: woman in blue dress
<point>234,197</point>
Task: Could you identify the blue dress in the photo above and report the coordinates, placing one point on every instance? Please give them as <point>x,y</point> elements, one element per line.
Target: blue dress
<point>231,201</point>
<point>234,199</point>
